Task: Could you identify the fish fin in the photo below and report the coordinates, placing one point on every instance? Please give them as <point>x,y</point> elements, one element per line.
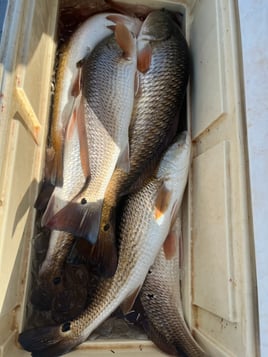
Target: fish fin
<point>125,40</point>
<point>80,219</point>
<point>162,201</point>
<point>83,138</point>
<point>49,340</point>
<point>44,196</point>
<point>76,86</point>
<point>128,303</point>
<point>50,211</point>
<point>111,27</point>
<point>104,255</point>
<point>170,245</point>
<point>144,58</point>
<point>123,161</point>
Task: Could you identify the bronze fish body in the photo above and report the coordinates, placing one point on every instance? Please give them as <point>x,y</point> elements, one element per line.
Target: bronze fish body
<point>145,223</point>
<point>163,55</point>
<point>161,304</point>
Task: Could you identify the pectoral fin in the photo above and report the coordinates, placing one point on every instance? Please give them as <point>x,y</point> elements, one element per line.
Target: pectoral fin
<point>162,201</point>
<point>129,302</point>
<point>125,40</point>
<point>144,58</point>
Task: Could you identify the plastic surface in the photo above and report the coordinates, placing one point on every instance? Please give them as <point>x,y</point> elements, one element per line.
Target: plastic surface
<point>255,71</point>
<point>219,274</point>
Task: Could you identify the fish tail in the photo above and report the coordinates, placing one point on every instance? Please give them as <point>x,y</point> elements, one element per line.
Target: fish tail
<point>44,196</point>
<point>49,341</point>
<point>82,219</point>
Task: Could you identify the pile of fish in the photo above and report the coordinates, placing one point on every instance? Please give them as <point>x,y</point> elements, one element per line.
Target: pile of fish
<point>115,176</point>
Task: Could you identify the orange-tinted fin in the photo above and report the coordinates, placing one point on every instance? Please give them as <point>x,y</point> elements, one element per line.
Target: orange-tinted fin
<point>162,201</point>
<point>76,87</point>
<point>125,40</point>
<point>128,303</point>
<point>170,245</point>
<point>144,58</point>
<point>81,219</point>
<point>44,196</point>
<point>104,255</point>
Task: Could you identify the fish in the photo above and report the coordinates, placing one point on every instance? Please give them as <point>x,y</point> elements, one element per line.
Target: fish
<point>160,303</point>
<point>50,278</point>
<point>60,244</point>
<point>144,225</point>
<point>108,77</point>
<point>163,63</point>
<point>81,43</point>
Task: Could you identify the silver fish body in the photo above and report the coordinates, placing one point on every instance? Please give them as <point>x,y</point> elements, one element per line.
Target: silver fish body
<point>108,80</point>
<point>81,43</point>
<point>145,223</point>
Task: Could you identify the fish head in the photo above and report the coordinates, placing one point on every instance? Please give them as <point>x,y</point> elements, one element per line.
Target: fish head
<point>158,26</point>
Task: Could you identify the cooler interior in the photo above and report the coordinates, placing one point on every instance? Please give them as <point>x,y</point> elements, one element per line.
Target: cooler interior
<point>218,272</point>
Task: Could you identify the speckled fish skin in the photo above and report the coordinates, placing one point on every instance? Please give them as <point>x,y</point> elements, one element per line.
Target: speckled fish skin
<point>82,42</point>
<point>60,244</point>
<point>142,234</point>
<point>157,103</point>
<point>74,178</point>
<point>162,312</point>
<point>108,81</point>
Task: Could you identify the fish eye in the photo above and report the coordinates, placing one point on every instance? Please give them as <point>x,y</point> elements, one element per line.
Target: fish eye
<point>83,201</point>
<point>66,327</point>
<point>57,280</point>
<point>106,227</point>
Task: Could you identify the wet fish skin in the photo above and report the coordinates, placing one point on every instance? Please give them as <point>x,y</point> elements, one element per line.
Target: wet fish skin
<point>82,42</point>
<point>156,106</point>
<point>108,77</point>
<point>145,224</point>
<point>161,305</point>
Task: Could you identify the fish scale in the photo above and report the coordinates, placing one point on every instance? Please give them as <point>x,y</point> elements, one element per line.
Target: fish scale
<point>141,237</point>
<point>163,317</point>
<point>157,103</point>
<point>103,116</point>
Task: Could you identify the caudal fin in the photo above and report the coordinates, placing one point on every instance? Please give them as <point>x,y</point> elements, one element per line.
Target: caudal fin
<point>81,219</point>
<point>49,341</point>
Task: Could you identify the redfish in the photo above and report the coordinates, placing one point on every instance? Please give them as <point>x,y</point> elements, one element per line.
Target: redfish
<point>145,223</point>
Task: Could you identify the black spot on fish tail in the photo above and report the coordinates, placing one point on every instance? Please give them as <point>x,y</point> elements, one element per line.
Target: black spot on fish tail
<point>49,341</point>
